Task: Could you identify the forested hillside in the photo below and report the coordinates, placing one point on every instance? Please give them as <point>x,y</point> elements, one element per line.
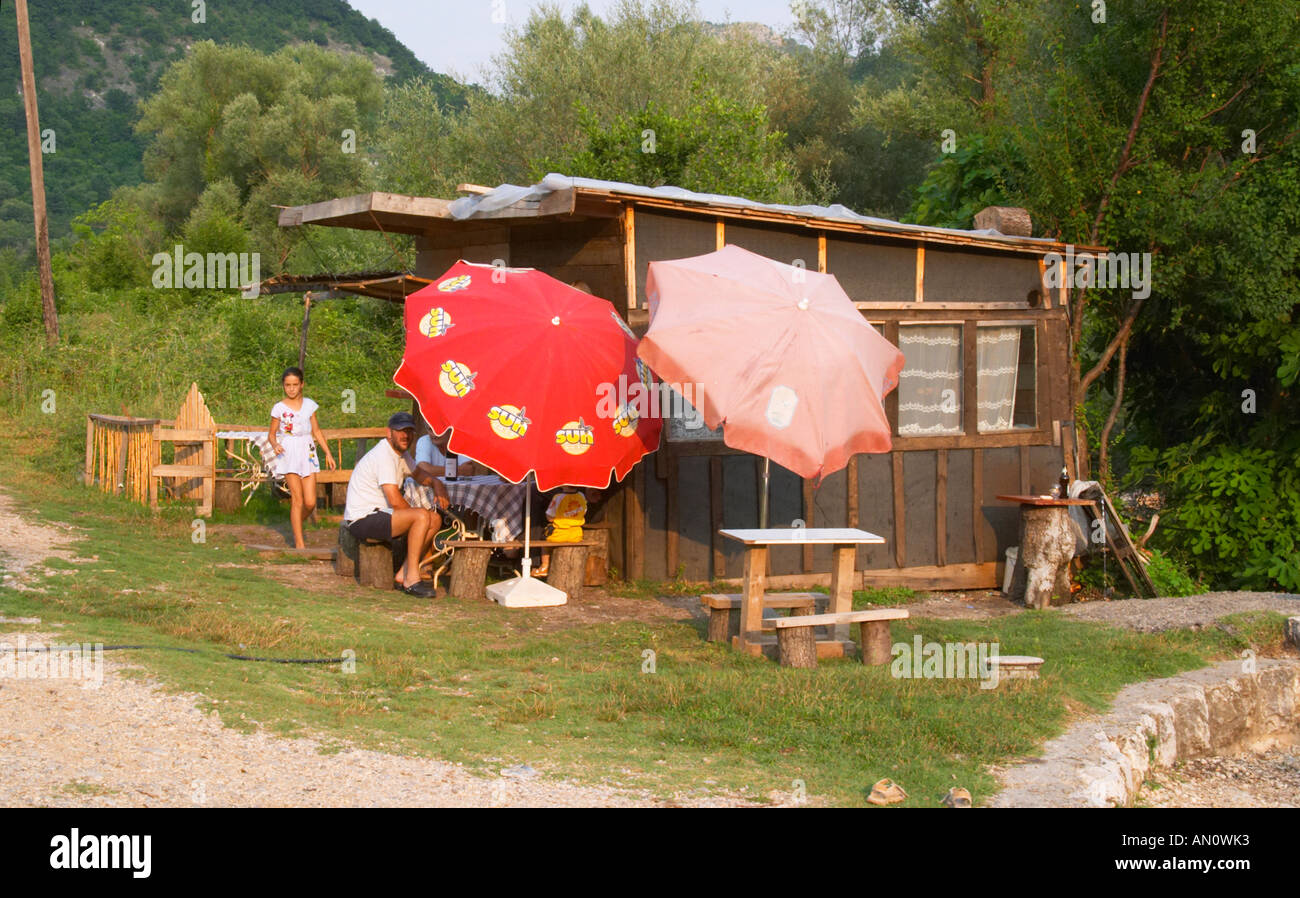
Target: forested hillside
<point>95,59</point>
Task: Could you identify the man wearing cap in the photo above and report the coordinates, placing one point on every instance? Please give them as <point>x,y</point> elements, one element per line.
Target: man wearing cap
<point>375,507</point>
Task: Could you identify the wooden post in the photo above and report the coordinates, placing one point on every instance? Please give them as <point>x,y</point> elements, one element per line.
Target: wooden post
<point>751,617</point>
<point>48,314</point>
<point>568,567</point>
<point>90,451</point>
<point>843,558</point>
<point>306,317</point>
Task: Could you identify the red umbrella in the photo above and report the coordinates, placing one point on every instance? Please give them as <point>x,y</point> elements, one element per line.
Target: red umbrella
<point>532,376</point>
<point>526,372</point>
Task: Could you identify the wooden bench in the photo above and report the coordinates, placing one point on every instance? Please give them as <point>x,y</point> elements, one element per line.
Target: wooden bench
<point>469,562</point>
<point>372,562</point>
<point>797,647</point>
<point>724,609</point>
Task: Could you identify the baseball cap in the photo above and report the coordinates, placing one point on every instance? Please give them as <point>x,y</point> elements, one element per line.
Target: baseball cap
<point>401,421</point>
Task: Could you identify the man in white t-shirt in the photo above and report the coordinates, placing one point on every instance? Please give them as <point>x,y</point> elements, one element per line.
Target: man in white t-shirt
<point>376,509</point>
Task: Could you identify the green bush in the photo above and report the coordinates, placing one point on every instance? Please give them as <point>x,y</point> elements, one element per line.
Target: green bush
<point>1234,511</point>
<point>1169,577</point>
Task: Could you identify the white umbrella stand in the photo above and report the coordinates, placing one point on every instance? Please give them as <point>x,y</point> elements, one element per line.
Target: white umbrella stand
<point>524,591</point>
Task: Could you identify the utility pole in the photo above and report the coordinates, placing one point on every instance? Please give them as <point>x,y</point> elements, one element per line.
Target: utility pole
<point>48,313</point>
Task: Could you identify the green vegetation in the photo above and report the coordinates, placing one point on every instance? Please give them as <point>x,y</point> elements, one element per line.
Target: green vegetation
<point>471,682</point>
<point>95,60</point>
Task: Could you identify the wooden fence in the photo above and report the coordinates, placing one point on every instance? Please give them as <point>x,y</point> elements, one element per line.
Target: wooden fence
<point>119,454</point>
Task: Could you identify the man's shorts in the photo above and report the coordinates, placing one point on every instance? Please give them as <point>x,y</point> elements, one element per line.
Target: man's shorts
<point>376,525</point>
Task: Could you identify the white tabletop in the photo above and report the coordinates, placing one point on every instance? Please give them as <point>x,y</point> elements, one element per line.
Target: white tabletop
<point>821,535</point>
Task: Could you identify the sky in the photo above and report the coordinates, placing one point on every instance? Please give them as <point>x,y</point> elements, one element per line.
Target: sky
<point>460,37</point>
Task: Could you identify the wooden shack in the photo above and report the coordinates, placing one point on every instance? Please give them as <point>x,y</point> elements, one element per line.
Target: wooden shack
<point>982,409</point>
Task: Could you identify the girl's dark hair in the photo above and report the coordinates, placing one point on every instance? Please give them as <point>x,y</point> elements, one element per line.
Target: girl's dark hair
<point>295,371</point>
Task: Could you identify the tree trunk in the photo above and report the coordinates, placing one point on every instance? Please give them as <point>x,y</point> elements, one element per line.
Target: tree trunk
<point>797,647</point>
<point>469,573</point>
<point>724,623</point>
<point>568,568</point>
<point>875,640</point>
<point>1103,457</point>
<point>1042,574</point>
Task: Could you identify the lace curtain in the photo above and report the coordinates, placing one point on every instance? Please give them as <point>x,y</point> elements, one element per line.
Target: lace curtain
<point>998,361</point>
<point>929,387</point>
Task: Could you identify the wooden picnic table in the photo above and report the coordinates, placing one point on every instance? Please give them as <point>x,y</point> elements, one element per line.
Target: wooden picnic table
<point>844,542</point>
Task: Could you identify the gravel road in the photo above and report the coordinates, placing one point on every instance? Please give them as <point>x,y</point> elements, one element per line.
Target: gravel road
<point>1194,612</point>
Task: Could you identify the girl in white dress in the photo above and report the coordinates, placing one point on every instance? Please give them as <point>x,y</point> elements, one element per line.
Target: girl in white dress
<point>294,435</point>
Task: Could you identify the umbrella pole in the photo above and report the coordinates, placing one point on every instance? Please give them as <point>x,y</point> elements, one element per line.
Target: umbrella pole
<point>527,564</point>
<point>762,508</point>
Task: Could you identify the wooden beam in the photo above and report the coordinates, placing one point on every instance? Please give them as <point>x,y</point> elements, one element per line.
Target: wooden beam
<point>941,507</point>
<point>636,524</point>
<point>809,513</point>
<point>851,492</point>
<point>900,548</point>
<point>720,233</point>
<point>821,251</point>
<point>36,163</point>
<point>674,514</point>
<point>1024,471</point>
<point>977,502</point>
<point>952,576</point>
<point>715,515</point>
<point>920,272</point>
<point>629,253</point>
<point>970,413</point>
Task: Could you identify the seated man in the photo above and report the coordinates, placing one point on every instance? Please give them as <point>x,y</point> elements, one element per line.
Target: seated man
<point>376,509</point>
<point>431,459</point>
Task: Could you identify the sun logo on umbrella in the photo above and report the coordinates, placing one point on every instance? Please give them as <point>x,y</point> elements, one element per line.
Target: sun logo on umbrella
<point>508,422</point>
<point>576,437</point>
<point>456,379</point>
<point>435,322</point>
<point>625,420</point>
<point>451,285</point>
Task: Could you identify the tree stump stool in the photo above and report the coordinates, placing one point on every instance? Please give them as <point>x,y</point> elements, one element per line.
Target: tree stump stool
<point>598,555</point>
<point>875,641</point>
<point>469,572</point>
<point>568,568</point>
<point>795,642</point>
<point>345,560</point>
<point>372,563</point>
<point>226,495</point>
<point>1042,575</point>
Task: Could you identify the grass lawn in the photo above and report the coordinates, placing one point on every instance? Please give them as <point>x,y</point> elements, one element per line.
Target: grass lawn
<point>490,687</point>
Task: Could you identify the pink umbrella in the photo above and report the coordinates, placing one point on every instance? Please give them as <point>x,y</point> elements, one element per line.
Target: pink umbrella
<point>776,354</point>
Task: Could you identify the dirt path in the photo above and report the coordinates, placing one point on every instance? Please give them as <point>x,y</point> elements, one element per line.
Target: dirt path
<point>65,743</point>
<point>1269,779</point>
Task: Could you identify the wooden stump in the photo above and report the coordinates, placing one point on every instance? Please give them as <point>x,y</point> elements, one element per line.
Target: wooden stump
<point>1042,574</point>
<point>724,623</point>
<point>568,567</point>
<point>875,640</point>
<point>597,555</point>
<point>345,560</point>
<point>469,573</point>
<point>338,495</point>
<point>796,646</point>
<point>375,565</point>
<point>226,496</point>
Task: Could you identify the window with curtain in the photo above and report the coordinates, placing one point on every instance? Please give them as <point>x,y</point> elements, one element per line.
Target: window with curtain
<point>929,387</point>
<point>1005,388</point>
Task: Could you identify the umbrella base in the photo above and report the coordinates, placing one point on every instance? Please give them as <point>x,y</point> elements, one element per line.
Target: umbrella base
<point>526,592</point>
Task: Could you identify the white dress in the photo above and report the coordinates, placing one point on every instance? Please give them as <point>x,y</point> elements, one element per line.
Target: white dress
<point>299,455</point>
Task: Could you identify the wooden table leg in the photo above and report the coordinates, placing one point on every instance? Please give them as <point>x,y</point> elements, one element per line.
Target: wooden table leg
<point>843,559</point>
<point>751,615</point>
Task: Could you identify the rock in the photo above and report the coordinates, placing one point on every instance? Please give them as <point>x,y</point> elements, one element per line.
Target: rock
<point>519,771</point>
<point>1292,630</point>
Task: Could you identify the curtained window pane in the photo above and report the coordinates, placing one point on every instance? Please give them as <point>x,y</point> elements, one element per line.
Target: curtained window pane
<point>929,387</point>
<point>1005,388</point>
